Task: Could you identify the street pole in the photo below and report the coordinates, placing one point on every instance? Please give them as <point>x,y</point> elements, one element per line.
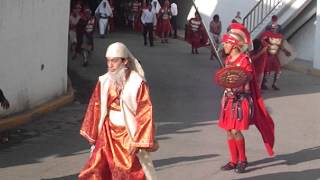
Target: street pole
<point>210,38</point>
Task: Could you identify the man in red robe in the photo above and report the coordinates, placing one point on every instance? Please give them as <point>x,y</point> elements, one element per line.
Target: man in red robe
<point>164,21</point>
<point>215,29</point>
<point>196,34</point>
<point>119,121</point>
<point>136,13</point>
<point>242,105</point>
<point>272,38</point>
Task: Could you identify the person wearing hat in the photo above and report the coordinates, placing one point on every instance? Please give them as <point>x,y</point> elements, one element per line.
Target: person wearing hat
<point>242,104</point>
<point>119,121</point>
<point>103,13</point>
<point>273,39</point>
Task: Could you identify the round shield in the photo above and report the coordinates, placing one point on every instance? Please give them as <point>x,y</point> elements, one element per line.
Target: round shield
<point>231,77</point>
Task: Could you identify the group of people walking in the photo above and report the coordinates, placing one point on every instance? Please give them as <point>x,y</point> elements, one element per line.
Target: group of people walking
<point>159,20</point>
<point>81,28</point>
<point>119,122</point>
<point>264,50</point>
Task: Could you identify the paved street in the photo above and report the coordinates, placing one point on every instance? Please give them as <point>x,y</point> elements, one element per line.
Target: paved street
<point>186,104</point>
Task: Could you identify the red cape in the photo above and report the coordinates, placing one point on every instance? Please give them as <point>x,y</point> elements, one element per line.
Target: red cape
<point>261,117</point>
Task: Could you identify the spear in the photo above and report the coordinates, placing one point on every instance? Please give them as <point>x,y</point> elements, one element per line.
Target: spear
<point>210,38</point>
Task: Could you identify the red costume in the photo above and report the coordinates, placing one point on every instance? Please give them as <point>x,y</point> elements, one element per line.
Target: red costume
<point>272,39</point>
<point>111,18</point>
<point>119,125</point>
<point>165,15</point>
<point>243,105</point>
<point>274,42</point>
<point>163,23</point>
<point>196,34</point>
<point>136,11</point>
<point>137,22</point>
<point>231,119</point>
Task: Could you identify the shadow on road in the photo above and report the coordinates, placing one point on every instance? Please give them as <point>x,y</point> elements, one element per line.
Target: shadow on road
<point>55,135</point>
<point>174,160</point>
<point>310,174</point>
<point>70,177</point>
<point>295,158</point>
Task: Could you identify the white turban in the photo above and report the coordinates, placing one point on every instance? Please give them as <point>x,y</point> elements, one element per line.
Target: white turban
<point>119,50</point>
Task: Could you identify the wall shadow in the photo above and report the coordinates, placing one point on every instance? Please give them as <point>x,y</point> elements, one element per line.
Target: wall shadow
<point>290,159</point>
<point>310,174</point>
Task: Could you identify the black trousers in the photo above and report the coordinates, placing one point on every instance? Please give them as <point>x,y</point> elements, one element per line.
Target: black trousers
<point>174,25</point>
<point>148,29</point>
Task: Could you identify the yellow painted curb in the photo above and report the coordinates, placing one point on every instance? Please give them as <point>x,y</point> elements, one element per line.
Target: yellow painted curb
<point>17,120</point>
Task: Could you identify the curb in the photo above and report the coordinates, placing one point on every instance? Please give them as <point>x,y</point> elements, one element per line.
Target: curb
<point>303,69</point>
<point>20,119</point>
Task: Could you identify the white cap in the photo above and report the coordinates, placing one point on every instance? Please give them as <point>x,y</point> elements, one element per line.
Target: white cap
<point>119,50</point>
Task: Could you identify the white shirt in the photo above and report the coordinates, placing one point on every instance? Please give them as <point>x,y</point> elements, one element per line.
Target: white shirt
<point>174,9</point>
<point>147,17</point>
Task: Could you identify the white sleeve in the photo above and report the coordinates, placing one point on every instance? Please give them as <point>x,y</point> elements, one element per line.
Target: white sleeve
<point>109,10</point>
<point>142,17</point>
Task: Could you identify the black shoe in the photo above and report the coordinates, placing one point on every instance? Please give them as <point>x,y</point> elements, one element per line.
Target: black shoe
<point>241,167</point>
<point>151,45</point>
<point>274,87</point>
<point>85,64</point>
<point>264,87</point>
<point>229,166</point>
<point>197,51</point>
<point>74,57</point>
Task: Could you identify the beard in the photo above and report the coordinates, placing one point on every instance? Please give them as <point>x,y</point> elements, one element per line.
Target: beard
<point>118,77</point>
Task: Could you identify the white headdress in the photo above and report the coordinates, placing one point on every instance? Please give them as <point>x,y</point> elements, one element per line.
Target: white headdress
<point>119,50</point>
<point>108,9</point>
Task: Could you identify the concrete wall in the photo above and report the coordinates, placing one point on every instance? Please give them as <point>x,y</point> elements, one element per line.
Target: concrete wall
<point>33,51</point>
<point>225,8</point>
<point>303,40</point>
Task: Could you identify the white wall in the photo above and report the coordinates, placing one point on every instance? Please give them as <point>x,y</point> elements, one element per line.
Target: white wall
<point>316,55</point>
<point>303,41</point>
<point>226,9</point>
<point>33,33</point>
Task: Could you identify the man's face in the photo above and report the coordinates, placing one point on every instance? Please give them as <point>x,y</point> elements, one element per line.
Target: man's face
<point>227,47</point>
<point>115,63</point>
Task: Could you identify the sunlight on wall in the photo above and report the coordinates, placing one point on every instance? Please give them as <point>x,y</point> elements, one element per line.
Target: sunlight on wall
<point>205,7</point>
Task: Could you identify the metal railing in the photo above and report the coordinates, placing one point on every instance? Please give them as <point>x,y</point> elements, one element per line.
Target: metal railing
<point>259,13</point>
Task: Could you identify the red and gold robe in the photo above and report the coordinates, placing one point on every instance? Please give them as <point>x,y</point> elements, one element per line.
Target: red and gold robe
<point>110,158</point>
